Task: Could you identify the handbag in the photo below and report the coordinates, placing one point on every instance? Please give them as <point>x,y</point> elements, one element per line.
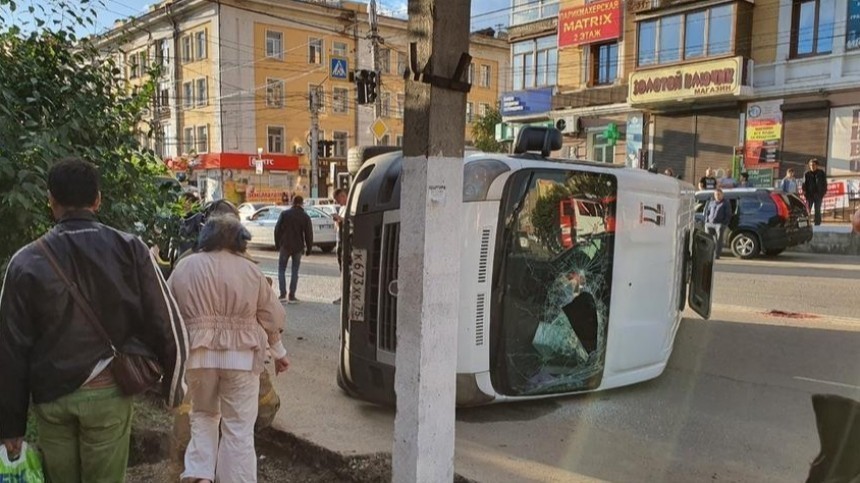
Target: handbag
<point>27,468</point>
<point>133,373</point>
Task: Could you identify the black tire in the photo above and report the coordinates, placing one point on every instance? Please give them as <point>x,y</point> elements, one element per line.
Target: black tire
<point>774,252</point>
<point>327,248</point>
<point>745,245</point>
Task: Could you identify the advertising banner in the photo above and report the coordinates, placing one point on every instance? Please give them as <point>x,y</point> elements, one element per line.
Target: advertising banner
<point>530,102</point>
<point>634,139</point>
<point>844,158</point>
<point>714,78</point>
<point>590,23</point>
<point>852,34</point>
<point>763,134</point>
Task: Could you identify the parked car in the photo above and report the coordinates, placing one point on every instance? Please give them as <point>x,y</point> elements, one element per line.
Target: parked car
<point>262,227</point>
<point>763,220</point>
<point>330,210</point>
<point>248,209</point>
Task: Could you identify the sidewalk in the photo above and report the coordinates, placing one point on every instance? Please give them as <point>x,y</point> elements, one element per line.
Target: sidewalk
<point>831,238</point>
<point>583,438</point>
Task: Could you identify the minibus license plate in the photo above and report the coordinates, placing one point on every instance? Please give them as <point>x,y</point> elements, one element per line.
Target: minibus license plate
<point>358,279</point>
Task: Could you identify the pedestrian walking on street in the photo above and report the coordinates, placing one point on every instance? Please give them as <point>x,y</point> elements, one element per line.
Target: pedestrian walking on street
<point>53,353</point>
<point>717,218</point>
<point>294,235</point>
<point>340,197</point>
<point>789,183</point>
<point>745,180</point>
<point>814,188</point>
<point>708,181</point>
<point>232,316</point>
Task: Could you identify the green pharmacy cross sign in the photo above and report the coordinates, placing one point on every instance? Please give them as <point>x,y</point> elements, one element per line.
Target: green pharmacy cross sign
<point>611,134</point>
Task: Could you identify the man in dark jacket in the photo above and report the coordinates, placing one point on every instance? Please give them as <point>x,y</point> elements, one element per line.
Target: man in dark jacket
<point>50,350</point>
<point>717,218</point>
<point>814,188</point>
<point>294,235</point>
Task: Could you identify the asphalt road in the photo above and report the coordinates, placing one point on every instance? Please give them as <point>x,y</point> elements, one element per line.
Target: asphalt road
<point>733,405</point>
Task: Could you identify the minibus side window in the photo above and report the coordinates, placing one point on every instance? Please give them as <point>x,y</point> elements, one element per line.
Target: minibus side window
<point>555,312</point>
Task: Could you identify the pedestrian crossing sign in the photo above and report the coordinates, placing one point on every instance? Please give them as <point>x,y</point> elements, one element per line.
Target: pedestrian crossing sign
<point>339,69</point>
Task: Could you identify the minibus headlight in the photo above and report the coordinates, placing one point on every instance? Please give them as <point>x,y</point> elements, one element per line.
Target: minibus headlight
<point>478,176</point>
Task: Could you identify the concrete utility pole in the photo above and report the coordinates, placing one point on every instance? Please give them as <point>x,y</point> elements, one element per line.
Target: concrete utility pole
<point>429,273</point>
<point>315,138</point>
<point>375,40</point>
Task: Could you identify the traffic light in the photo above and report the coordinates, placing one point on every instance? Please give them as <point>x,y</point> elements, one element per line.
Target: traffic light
<point>361,87</point>
<point>370,86</point>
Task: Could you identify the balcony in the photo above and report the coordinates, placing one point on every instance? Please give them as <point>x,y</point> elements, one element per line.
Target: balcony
<point>592,96</point>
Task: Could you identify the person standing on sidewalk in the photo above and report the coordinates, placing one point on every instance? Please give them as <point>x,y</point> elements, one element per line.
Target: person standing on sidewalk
<point>51,351</point>
<point>233,317</point>
<point>294,234</point>
<point>717,218</point>
<point>789,183</point>
<point>814,188</point>
<point>708,181</point>
<point>340,197</point>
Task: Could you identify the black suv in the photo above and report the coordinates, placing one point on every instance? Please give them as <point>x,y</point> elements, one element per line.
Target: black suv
<point>763,220</point>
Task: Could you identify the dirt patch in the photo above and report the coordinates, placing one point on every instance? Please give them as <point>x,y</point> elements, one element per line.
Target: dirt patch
<point>789,315</point>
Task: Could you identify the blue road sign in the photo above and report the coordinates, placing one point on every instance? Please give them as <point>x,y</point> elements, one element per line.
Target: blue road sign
<point>339,68</point>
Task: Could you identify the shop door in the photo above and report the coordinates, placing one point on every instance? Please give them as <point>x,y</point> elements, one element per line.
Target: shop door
<point>804,137</point>
<point>716,138</point>
<point>674,143</point>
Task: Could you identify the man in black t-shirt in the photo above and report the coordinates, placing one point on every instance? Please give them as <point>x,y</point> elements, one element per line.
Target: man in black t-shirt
<point>708,182</point>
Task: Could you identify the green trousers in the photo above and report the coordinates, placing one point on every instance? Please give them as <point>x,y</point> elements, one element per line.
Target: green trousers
<point>84,436</point>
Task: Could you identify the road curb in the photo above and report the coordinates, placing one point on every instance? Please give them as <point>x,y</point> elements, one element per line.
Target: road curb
<point>369,468</point>
<point>764,312</point>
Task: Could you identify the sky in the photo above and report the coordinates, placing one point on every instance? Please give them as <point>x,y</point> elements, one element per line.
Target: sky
<point>485,13</point>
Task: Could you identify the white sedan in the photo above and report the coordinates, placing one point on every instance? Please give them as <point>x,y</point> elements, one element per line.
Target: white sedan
<point>248,209</point>
<point>262,223</point>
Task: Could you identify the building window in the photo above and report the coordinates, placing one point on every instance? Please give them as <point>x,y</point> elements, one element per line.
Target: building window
<point>340,100</point>
<point>486,75</point>
<point>483,109</point>
<point>162,52</point>
<point>187,95</point>
<point>202,139</point>
<point>525,11</point>
<point>340,139</point>
<point>133,66</point>
<point>401,105</point>
<point>470,113</point>
<point>535,63</point>
<point>320,97</point>
<point>315,51</point>
<point>202,94</point>
<point>399,140</point>
<point>703,33</point>
<point>604,63</point>
<point>385,140</point>
<point>401,63</point>
<point>385,110</point>
<point>200,43</point>
<point>186,49</point>
<point>275,141</point>
<point>385,61</point>
<point>188,140</point>
<point>274,45</point>
<point>601,150</point>
<point>274,93</point>
<point>812,24</point>
<point>470,78</point>
<point>164,99</point>
<point>339,49</point>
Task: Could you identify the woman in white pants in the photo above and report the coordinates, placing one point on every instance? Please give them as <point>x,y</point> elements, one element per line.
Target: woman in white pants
<point>233,316</point>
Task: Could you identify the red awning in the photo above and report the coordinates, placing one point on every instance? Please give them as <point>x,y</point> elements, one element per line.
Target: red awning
<point>271,162</point>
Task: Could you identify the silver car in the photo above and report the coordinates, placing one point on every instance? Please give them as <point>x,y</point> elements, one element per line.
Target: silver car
<point>262,223</point>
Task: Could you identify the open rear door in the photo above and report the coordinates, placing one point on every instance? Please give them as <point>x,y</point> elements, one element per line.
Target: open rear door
<point>702,277</point>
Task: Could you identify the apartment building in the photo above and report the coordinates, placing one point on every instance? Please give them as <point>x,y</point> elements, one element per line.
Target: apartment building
<point>236,82</point>
<point>733,85</point>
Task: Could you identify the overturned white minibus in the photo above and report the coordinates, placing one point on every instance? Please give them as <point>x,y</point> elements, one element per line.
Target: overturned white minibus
<point>549,305</point>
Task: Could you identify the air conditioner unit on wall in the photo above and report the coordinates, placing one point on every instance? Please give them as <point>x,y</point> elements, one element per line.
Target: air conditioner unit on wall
<point>568,124</point>
<point>298,149</point>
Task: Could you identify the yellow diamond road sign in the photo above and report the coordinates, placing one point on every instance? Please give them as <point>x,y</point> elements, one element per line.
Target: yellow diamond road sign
<point>378,128</point>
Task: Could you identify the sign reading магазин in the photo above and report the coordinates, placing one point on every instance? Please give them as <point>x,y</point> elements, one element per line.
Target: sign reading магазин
<point>530,102</point>
<point>590,23</point>
<point>716,78</point>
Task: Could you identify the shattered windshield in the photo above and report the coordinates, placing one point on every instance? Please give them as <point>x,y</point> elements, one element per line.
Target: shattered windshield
<point>556,277</point>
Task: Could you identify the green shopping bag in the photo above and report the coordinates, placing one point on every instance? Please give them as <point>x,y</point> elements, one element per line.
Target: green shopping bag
<point>26,469</point>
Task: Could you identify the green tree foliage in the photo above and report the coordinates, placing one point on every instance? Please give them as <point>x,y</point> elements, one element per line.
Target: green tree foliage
<point>60,96</point>
<point>484,132</point>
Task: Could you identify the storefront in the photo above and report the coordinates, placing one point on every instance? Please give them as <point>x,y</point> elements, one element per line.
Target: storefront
<point>694,114</point>
<point>242,178</point>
